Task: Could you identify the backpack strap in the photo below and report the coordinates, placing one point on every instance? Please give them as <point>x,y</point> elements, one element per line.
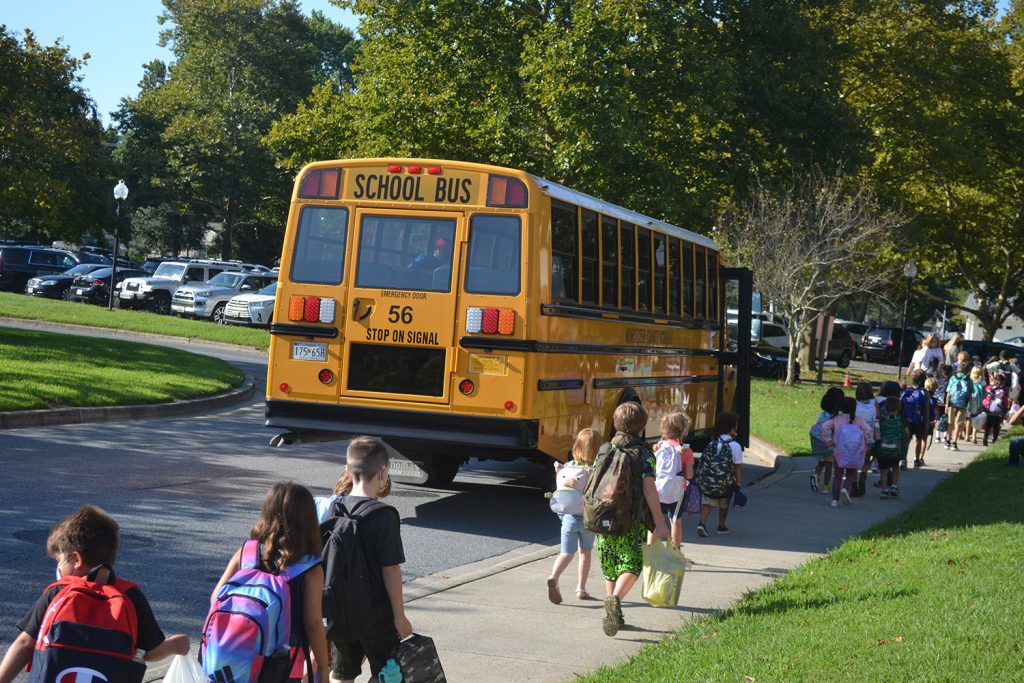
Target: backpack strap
<point>250,558</point>
<point>293,571</point>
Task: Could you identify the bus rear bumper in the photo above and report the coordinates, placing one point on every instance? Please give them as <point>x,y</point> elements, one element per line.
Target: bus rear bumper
<point>416,429</point>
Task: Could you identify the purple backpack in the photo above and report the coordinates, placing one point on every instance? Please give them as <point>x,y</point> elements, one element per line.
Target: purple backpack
<point>247,634</point>
<point>850,448</point>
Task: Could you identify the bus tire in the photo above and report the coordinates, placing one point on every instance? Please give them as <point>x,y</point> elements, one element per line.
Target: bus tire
<point>441,470</point>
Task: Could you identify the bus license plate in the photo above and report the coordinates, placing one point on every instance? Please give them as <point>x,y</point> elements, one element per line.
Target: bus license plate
<point>309,351</point>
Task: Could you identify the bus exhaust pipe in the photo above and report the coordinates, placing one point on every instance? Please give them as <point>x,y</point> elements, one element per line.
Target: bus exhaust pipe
<point>295,438</point>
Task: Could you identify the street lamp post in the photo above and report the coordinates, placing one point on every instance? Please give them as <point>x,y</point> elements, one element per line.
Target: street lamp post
<point>120,194</point>
<point>909,273</point>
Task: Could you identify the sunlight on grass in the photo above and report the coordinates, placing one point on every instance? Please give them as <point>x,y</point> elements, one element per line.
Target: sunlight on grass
<point>47,370</point>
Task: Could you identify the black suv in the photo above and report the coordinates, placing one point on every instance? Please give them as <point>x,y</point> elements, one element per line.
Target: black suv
<point>882,344</point>
<point>20,263</point>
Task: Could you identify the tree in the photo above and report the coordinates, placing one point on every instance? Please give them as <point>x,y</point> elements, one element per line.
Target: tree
<point>54,171</point>
<point>810,243</point>
<point>162,229</point>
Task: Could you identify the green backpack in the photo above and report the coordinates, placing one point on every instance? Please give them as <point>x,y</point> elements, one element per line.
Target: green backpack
<point>614,499</point>
<point>890,445</point>
<point>715,474</point>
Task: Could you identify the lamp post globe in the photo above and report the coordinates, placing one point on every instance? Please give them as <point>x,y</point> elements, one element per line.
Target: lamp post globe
<point>909,272</point>
<point>120,194</point>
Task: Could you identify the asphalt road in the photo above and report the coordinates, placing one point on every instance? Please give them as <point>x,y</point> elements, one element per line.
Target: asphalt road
<point>187,490</point>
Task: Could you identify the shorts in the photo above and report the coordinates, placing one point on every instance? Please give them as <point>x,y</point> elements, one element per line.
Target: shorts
<point>622,554</point>
<point>377,647</point>
<point>957,416</point>
<point>575,535</point>
<point>918,429</point>
<point>717,502</point>
<point>669,509</point>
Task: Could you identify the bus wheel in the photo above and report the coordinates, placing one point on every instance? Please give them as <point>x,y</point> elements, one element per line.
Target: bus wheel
<point>441,470</point>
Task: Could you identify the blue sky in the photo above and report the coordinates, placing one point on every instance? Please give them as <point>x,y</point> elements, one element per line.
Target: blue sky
<point>119,35</point>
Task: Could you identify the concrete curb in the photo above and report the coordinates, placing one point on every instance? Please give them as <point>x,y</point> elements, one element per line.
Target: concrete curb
<point>25,323</point>
<point>16,419</point>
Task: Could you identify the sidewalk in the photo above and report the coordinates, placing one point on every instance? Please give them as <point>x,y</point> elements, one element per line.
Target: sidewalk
<point>493,622</point>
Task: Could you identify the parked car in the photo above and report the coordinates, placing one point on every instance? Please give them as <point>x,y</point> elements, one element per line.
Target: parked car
<point>985,350</point>
<point>154,292</point>
<point>209,300</point>
<point>94,288</point>
<point>1014,341</point>
<point>19,264</point>
<point>57,286</point>
<point>883,344</point>
<point>766,360</point>
<point>252,309</point>
<point>841,348</point>
<point>151,263</point>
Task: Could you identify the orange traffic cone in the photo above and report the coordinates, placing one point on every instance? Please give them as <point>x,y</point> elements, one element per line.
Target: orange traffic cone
<point>847,383</point>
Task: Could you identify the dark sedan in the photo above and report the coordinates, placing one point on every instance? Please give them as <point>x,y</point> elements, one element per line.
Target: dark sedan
<point>58,285</point>
<point>94,288</point>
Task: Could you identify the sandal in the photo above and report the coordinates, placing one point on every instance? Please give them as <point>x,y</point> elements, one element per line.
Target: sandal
<point>582,594</point>
<point>554,595</point>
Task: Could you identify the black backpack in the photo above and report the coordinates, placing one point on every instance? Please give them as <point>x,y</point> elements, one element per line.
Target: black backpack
<point>348,590</point>
<point>715,474</point>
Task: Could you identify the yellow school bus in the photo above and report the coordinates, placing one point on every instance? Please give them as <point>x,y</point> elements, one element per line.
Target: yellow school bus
<point>463,310</point>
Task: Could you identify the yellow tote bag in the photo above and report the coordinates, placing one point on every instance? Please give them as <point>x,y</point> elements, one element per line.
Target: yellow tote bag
<point>662,577</point>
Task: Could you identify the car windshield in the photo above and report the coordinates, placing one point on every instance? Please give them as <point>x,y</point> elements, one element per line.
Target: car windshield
<point>269,290</point>
<point>170,271</point>
<point>82,269</point>
<point>100,273</point>
<point>225,280</point>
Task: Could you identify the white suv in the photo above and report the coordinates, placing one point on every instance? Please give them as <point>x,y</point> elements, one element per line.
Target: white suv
<point>210,299</point>
<point>154,293</point>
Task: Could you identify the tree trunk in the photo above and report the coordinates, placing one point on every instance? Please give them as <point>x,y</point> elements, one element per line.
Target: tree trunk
<point>792,377</point>
<point>808,350</point>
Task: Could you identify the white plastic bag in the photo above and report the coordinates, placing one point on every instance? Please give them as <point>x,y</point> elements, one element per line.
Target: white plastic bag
<point>184,669</point>
<point>662,577</point>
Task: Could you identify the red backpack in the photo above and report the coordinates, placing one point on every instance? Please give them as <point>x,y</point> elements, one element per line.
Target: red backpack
<point>88,634</point>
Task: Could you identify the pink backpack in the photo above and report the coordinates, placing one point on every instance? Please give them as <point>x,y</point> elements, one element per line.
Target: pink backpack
<point>849,440</point>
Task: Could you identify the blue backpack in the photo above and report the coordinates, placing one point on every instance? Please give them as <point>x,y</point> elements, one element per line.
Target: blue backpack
<point>911,403</point>
<point>956,391</point>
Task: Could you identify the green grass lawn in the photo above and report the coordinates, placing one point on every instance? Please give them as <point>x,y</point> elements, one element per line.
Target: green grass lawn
<point>46,370</point>
<point>931,595</point>
<point>54,310</point>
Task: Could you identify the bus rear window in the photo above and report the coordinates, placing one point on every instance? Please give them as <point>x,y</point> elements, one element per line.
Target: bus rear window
<point>319,255</point>
<point>494,255</point>
<point>406,252</point>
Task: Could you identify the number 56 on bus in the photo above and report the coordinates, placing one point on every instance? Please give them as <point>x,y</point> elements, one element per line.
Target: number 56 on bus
<point>461,310</point>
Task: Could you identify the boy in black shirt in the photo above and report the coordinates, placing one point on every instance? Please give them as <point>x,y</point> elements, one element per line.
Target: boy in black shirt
<point>86,540</point>
<point>386,624</point>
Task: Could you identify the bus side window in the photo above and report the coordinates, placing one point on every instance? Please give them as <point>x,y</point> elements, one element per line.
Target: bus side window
<point>659,273</point>
<point>563,253</point>
<point>713,313</point>
<point>675,297</point>
<point>627,250</point>
<point>687,279</point>
<point>701,268</point>
<point>588,265</point>
<point>494,262</point>
<point>643,269</point>
<point>319,253</point>
<point>609,262</point>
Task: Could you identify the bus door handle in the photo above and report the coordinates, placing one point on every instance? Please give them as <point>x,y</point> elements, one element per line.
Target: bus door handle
<point>355,311</point>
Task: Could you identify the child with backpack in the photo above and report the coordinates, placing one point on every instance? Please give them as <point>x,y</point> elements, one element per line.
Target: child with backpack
<point>959,391</point>
<point>363,606</point>
<point>620,500</point>
<point>567,502</point>
<point>916,406</point>
<point>266,614</point>
<point>995,403</point>
<point>892,436</point>
<point>867,410</point>
<point>821,450</point>
<point>848,435</point>
<point>674,470</point>
<point>719,472</point>
<point>974,408</point>
<point>111,612</point>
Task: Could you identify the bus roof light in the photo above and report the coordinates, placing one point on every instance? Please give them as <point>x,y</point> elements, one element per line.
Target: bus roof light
<point>490,321</point>
<point>296,308</point>
<point>394,168</point>
<point>474,319</point>
<point>415,169</point>
<point>320,183</point>
<point>311,310</point>
<point>434,170</point>
<point>327,306</point>
<point>506,192</point>
<point>506,321</point>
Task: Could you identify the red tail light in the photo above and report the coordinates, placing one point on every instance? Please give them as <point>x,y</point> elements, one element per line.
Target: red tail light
<point>889,344</point>
<point>489,324</point>
<point>311,309</point>
<point>98,282</point>
<point>320,183</point>
<point>466,387</point>
<point>326,376</point>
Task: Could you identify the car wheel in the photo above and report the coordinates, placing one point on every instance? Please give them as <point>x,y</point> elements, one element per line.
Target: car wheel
<point>217,315</point>
<point>66,295</point>
<point>844,360</point>
<point>161,303</point>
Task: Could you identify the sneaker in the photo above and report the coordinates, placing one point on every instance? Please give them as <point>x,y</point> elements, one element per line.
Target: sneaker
<point>894,491</point>
<point>903,466</point>
<point>844,495</point>
<point>945,444</point>
<point>814,483</point>
<point>833,503</point>
<point>918,463</point>
<point>874,468</point>
<point>613,619</point>
<point>702,531</point>
<point>885,493</point>
<point>723,530</point>
<point>955,447</point>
